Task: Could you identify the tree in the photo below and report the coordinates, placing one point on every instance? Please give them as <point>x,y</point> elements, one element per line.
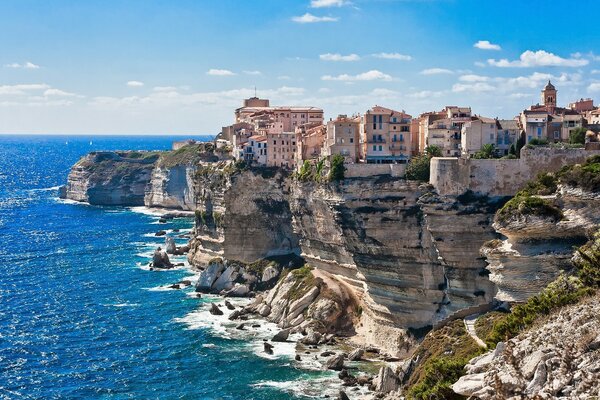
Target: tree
<point>336,172</point>
<point>520,144</point>
<point>433,151</point>
<point>487,151</point>
<point>418,168</point>
<point>577,136</point>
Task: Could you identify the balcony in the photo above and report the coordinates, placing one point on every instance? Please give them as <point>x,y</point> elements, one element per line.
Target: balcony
<point>376,140</point>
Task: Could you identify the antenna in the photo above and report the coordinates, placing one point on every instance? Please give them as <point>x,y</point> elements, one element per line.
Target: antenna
<point>254,91</point>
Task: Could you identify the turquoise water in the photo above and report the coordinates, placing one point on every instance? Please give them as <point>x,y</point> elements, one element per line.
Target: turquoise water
<point>80,315</point>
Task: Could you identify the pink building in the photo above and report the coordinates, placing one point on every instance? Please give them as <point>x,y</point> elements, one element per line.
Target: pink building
<point>282,149</point>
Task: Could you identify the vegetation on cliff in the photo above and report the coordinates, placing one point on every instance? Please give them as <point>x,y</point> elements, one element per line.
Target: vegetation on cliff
<point>441,357</point>
<point>418,166</point>
<point>585,176</point>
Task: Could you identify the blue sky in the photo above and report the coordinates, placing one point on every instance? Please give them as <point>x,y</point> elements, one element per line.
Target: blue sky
<point>181,67</point>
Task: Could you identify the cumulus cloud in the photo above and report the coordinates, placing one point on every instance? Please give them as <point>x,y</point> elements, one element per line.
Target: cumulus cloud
<point>308,18</point>
<point>22,89</point>
<point>393,56</point>
<point>436,71</point>
<point>339,57</point>
<point>59,93</point>
<point>135,84</point>
<point>472,87</point>
<point>35,95</point>
<point>473,78</point>
<point>540,58</point>
<point>220,72</point>
<point>25,65</point>
<point>372,75</point>
<point>384,93</point>
<point>425,94</point>
<point>327,3</point>
<point>252,72</point>
<point>486,45</point>
<point>594,87</point>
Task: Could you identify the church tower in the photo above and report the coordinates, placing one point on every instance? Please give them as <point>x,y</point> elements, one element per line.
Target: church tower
<point>549,97</point>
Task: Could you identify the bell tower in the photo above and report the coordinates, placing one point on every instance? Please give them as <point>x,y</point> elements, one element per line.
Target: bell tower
<point>549,97</point>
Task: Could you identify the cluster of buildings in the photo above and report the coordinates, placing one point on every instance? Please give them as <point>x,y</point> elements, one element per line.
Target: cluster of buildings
<point>284,136</point>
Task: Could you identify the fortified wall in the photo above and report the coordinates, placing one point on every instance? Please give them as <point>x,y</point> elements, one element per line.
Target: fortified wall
<point>454,176</point>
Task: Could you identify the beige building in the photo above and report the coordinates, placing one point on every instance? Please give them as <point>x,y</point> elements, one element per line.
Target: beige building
<point>387,136</point>
<point>343,137</point>
<point>443,129</point>
<point>310,143</point>
<point>276,119</point>
<point>477,133</point>
<point>282,149</point>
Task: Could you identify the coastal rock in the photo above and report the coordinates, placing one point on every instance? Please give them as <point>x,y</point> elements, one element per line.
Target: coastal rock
<point>312,338</point>
<point>170,246</point>
<point>226,279</point>
<point>281,336</point>
<point>335,363</point>
<point>214,310</point>
<point>356,355</point>
<point>209,276</point>
<point>269,274</point>
<point>160,259</point>
<point>386,380</point>
<point>268,348</point>
<point>238,290</point>
<point>160,233</point>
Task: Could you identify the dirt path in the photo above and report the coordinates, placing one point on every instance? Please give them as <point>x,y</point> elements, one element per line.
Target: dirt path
<point>470,327</point>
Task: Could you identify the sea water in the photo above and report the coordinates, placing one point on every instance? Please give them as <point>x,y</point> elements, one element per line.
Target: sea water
<point>81,315</point>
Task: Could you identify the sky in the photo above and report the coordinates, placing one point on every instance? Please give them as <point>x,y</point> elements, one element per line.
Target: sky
<point>183,66</point>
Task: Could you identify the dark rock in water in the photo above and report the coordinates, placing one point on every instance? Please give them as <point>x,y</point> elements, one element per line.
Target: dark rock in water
<point>343,396</point>
<point>160,259</point>
<point>356,355</point>
<point>235,315</point>
<point>185,283</point>
<point>229,305</point>
<point>311,338</point>
<point>298,358</point>
<point>240,327</point>
<point>162,221</point>
<point>335,363</point>
<point>62,192</point>
<point>214,310</point>
<point>281,336</point>
<point>256,325</point>
<point>198,295</point>
<point>170,246</point>
<point>179,265</point>
<point>160,233</point>
<point>327,353</point>
<point>364,380</point>
<point>391,359</point>
<point>175,230</point>
<point>175,286</point>
<point>268,347</point>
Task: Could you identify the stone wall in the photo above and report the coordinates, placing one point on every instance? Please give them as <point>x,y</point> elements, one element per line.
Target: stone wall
<point>453,176</point>
<point>366,170</point>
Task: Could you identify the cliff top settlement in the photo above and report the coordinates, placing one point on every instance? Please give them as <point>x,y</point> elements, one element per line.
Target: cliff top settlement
<point>287,136</point>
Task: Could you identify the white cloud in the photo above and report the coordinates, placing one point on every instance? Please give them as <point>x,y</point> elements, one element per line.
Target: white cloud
<point>424,94</point>
<point>473,78</point>
<point>59,93</point>
<point>291,91</point>
<point>436,71</point>
<point>594,87</point>
<point>284,78</point>
<point>339,57</point>
<point>135,84</point>
<point>22,89</point>
<point>26,65</point>
<point>486,45</point>
<point>595,71</point>
<point>324,90</point>
<point>372,75</point>
<point>472,87</point>
<point>540,58</point>
<point>384,93</point>
<point>327,3</point>
<point>252,72</point>
<point>520,95</point>
<point>479,64</point>
<point>220,72</point>
<point>308,18</point>
<point>393,56</point>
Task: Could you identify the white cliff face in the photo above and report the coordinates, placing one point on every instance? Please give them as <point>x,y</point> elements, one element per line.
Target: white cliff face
<point>172,187</point>
<point>111,178</point>
<point>535,249</point>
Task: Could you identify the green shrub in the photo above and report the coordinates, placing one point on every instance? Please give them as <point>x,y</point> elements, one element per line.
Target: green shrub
<point>538,142</point>
<point>524,204</point>
<point>577,136</point>
<point>336,172</point>
<point>433,151</point>
<point>439,376</point>
<point>585,176</point>
<point>418,168</point>
<point>487,151</point>
<point>587,262</point>
<point>545,184</point>
<point>563,291</point>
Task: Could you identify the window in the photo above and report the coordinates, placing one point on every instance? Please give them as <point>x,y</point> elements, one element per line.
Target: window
<point>401,138</point>
<point>351,140</point>
<point>394,127</point>
<point>379,147</point>
<point>274,141</point>
<point>394,137</point>
<point>374,148</point>
<point>374,138</point>
<point>539,131</point>
<point>556,135</point>
<point>380,121</point>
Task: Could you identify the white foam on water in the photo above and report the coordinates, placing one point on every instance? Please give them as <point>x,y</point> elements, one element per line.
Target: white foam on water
<point>49,189</point>
<point>148,211</point>
<point>310,387</point>
<point>209,345</point>
<point>73,202</point>
<point>122,305</point>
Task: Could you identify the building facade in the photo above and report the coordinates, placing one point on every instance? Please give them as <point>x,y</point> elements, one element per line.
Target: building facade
<point>387,136</point>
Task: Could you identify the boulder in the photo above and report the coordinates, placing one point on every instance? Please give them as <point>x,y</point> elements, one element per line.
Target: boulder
<point>269,274</point>
<point>170,246</point>
<point>214,310</point>
<point>312,337</point>
<point>343,396</point>
<point>268,347</point>
<point>281,336</point>
<point>225,280</point>
<point>229,305</point>
<point>264,310</point>
<point>235,315</point>
<point>386,380</point>
<point>356,355</point>
<point>239,290</point>
<point>209,276</point>
<point>160,259</point>
<point>160,233</point>
<point>467,385</point>
<point>335,363</point>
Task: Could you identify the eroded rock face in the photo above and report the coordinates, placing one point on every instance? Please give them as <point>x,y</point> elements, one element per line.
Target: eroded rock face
<point>535,249</point>
<point>111,178</point>
<point>171,187</point>
<point>400,242</point>
<point>541,362</point>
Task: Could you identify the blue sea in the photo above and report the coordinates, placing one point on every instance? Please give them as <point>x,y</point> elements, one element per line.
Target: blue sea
<point>82,317</point>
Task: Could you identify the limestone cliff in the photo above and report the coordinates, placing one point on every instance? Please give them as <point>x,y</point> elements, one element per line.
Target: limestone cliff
<point>111,178</point>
